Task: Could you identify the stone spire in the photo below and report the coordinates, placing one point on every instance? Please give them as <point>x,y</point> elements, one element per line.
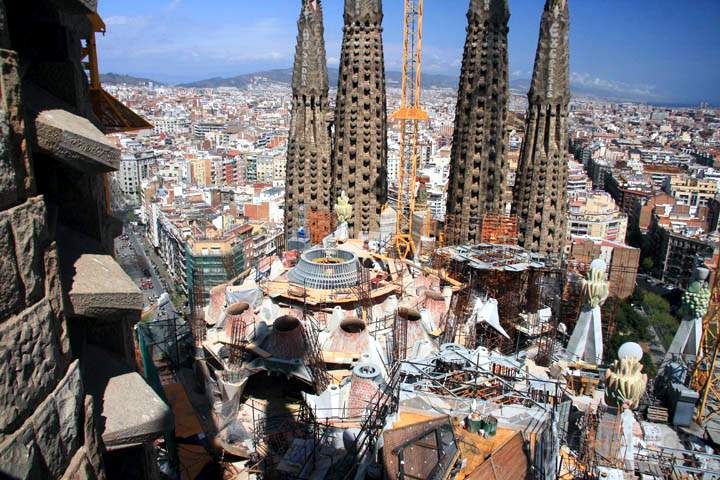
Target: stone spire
<point>478,161</point>
<point>359,165</point>
<point>539,196</point>
<point>307,175</point>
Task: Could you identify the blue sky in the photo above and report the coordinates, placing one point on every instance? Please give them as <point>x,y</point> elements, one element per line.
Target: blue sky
<point>661,50</point>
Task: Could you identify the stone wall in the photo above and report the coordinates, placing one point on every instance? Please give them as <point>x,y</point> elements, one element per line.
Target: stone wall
<point>46,427</point>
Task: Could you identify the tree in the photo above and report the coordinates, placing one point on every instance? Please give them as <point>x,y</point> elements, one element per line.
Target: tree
<point>654,303</point>
<point>648,264</point>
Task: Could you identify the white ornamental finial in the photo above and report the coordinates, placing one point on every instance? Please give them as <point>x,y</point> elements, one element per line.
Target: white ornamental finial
<point>595,287</point>
<point>343,209</point>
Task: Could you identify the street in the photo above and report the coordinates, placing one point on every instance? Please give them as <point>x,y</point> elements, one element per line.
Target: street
<point>132,255</point>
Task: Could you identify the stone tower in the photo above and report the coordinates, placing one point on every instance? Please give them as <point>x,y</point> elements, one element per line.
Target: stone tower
<point>307,183</point>
<point>359,164</point>
<point>478,162</point>
<point>539,196</point>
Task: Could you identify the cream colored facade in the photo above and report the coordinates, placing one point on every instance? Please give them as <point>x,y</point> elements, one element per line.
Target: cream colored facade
<point>596,215</point>
<point>265,169</point>
<point>202,172</point>
<point>279,163</point>
<point>692,191</point>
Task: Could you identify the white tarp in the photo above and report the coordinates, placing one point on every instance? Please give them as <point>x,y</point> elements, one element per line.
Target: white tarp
<point>486,310</point>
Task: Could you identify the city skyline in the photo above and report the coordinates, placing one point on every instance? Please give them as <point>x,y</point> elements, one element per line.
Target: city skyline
<point>626,51</point>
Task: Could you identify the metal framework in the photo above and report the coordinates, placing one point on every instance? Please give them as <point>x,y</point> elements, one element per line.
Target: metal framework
<point>409,114</point>
<point>384,403</point>
<point>499,229</point>
<point>706,377</point>
<point>197,304</point>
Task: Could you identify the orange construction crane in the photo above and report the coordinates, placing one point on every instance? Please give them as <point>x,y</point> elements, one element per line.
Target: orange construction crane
<point>706,373</point>
<point>410,114</point>
<point>113,116</point>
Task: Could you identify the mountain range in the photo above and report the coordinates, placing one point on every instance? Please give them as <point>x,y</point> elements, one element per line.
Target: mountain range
<point>430,80</point>
<point>284,75</point>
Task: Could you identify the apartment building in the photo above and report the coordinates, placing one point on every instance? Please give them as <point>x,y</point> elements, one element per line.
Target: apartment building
<point>596,215</point>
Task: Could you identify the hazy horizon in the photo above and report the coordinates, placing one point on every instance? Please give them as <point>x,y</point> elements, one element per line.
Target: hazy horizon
<point>649,50</point>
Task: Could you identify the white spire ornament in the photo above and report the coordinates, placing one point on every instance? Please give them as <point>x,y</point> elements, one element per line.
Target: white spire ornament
<point>586,340</point>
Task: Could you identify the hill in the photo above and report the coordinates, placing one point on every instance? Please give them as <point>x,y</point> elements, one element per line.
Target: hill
<point>120,79</point>
<point>284,75</point>
<point>430,80</point>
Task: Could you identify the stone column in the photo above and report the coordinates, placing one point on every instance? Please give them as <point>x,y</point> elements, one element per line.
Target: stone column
<point>540,193</point>
<point>478,160</point>
<point>307,175</point>
<point>359,163</point>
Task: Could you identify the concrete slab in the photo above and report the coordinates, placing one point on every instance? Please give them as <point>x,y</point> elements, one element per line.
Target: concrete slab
<point>96,283</point>
<point>128,409</point>
<point>76,142</point>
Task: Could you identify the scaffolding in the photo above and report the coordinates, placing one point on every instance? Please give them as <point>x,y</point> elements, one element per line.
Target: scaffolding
<point>461,373</point>
<point>399,331</point>
<point>499,229</point>
<point>384,403</point>
<point>197,312</point>
<point>706,374</point>
<point>576,271</point>
<point>274,436</point>
<point>456,318</point>
<point>320,224</point>
<point>313,360</point>
<point>362,291</point>
<point>549,294</point>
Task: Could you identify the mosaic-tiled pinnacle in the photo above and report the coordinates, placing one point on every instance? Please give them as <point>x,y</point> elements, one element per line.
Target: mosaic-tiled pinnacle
<point>478,160</point>
<point>359,165</point>
<point>307,183</point>
<point>539,196</point>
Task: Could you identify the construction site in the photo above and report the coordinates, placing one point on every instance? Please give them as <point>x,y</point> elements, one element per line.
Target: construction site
<point>475,351</point>
<point>346,363</point>
<point>380,342</point>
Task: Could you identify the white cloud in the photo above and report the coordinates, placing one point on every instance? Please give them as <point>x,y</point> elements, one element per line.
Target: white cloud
<point>587,80</point>
<point>201,47</point>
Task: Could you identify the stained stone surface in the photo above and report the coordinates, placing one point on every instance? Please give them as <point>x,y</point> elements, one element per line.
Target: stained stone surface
<point>130,410</point>
<point>44,445</point>
<point>539,194</point>
<point>359,162</point>
<point>96,284</point>
<point>46,430</point>
<point>75,141</point>
<point>307,173</point>
<point>478,159</point>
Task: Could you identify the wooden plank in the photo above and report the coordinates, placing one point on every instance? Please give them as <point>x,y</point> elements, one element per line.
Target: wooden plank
<point>258,351</point>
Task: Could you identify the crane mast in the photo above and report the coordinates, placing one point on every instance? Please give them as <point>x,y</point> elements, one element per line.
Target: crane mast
<point>410,114</point>
<point>706,373</point>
